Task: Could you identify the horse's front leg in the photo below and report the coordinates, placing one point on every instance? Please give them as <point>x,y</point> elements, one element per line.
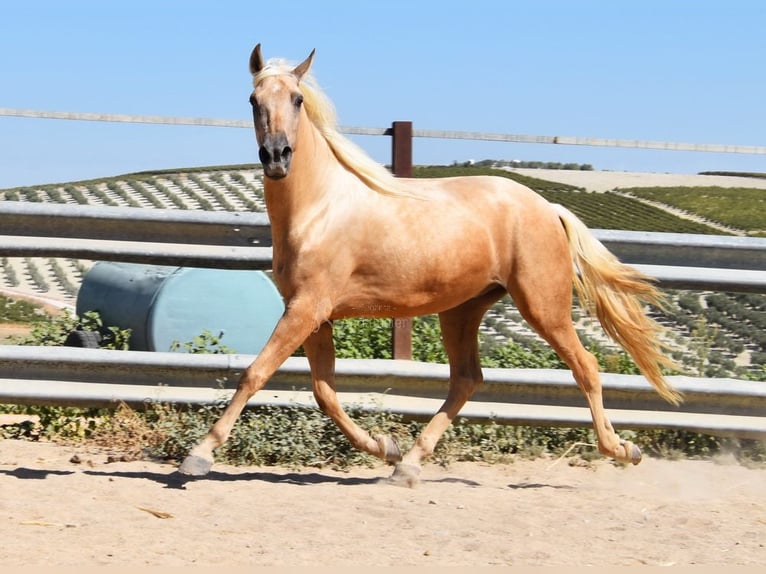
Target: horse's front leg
<point>292,329</point>
<point>320,351</point>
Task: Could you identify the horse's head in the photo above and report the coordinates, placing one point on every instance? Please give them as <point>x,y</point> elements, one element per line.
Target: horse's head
<point>277,101</point>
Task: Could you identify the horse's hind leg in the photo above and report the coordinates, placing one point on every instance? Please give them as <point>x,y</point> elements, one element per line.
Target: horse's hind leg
<point>547,307</point>
<point>320,351</point>
<point>460,327</point>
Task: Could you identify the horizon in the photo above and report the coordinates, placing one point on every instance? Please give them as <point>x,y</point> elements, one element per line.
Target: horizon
<point>545,165</point>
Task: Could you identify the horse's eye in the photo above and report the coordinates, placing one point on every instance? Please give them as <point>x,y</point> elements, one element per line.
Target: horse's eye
<point>298,100</point>
<point>252,101</point>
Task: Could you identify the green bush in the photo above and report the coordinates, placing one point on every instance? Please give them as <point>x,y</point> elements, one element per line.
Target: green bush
<point>50,331</point>
<point>19,310</point>
<point>204,343</point>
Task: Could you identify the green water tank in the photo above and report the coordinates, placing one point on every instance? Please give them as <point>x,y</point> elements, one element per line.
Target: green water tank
<point>163,305</point>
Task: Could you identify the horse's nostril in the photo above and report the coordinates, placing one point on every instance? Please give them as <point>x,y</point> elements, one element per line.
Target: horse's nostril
<point>264,155</point>
<point>287,152</point>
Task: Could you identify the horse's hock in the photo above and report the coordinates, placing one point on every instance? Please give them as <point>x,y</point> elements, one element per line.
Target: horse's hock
<point>163,305</point>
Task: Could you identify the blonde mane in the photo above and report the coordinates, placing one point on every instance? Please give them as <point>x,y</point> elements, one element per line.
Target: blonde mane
<point>321,112</point>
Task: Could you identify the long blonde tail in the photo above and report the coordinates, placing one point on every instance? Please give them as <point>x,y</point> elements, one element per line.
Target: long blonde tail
<point>616,294</point>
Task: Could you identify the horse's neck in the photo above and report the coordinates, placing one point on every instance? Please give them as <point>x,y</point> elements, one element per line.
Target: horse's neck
<point>293,199</point>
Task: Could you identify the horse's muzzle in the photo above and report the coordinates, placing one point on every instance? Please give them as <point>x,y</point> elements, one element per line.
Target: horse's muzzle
<point>275,155</point>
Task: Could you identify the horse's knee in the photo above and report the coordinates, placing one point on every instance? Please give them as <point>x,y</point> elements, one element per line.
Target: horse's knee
<point>463,387</point>
<point>250,382</point>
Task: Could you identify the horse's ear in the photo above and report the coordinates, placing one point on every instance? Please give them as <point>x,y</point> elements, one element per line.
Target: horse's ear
<point>256,60</point>
<point>301,69</point>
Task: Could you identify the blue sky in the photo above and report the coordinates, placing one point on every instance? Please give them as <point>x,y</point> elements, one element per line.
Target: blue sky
<point>682,71</point>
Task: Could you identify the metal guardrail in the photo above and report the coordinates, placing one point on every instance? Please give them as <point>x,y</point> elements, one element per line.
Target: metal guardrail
<point>87,377</point>
<point>221,228</point>
<point>136,235</point>
<point>102,378</point>
<point>243,240</point>
<point>686,249</point>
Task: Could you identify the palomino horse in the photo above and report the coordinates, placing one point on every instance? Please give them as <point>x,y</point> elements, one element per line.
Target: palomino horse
<point>350,240</point>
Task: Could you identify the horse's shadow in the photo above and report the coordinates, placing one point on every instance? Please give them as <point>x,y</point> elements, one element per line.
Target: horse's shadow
<point>179,481</point>
<point>539,485</point>
<point>24,473</point>
<point>176,480</point>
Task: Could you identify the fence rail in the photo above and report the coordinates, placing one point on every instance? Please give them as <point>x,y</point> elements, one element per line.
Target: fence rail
<point>422,133</point>
<point>103,378</point>
<point>243,241</point>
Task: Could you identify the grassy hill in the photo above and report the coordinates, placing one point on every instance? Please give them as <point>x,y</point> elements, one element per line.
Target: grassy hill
<point>740,208</point>
<point>716,334</point>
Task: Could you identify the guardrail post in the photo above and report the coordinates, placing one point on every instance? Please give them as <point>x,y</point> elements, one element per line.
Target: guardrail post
<point>401,165</point>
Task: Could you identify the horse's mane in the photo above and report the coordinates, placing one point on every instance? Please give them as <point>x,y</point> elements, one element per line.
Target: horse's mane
<point>321,112</point>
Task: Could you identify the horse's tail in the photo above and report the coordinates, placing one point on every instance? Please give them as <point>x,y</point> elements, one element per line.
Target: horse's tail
<point>616,294</point>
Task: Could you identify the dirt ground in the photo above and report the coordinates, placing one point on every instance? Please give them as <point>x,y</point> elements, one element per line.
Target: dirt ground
<point>69,506</point>
<point>10,330</point>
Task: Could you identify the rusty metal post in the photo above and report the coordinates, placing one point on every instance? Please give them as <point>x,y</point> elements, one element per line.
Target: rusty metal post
<point>401,149</point>
<point>401,165</point>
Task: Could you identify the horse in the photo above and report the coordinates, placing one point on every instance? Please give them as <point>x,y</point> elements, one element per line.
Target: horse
<point>352,240</point>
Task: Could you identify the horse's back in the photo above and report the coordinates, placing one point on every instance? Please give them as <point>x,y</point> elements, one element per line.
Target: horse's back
<point>510,222</point>
<point>476,188</point>
<point>491,198</point>
<point>524,227</point>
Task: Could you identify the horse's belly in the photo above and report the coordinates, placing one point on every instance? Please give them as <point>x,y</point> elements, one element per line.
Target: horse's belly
<point>404,294</point>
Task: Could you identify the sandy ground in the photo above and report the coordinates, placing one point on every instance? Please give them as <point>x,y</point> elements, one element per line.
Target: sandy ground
<point>56,511</point>
<point>607,180</point>
<point>11,330</point>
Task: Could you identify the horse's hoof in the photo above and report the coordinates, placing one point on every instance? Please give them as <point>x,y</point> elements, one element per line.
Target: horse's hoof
<point>389,450</point>
<point>632,452</point>
<point>194,465</point>
<point>405,475</point>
